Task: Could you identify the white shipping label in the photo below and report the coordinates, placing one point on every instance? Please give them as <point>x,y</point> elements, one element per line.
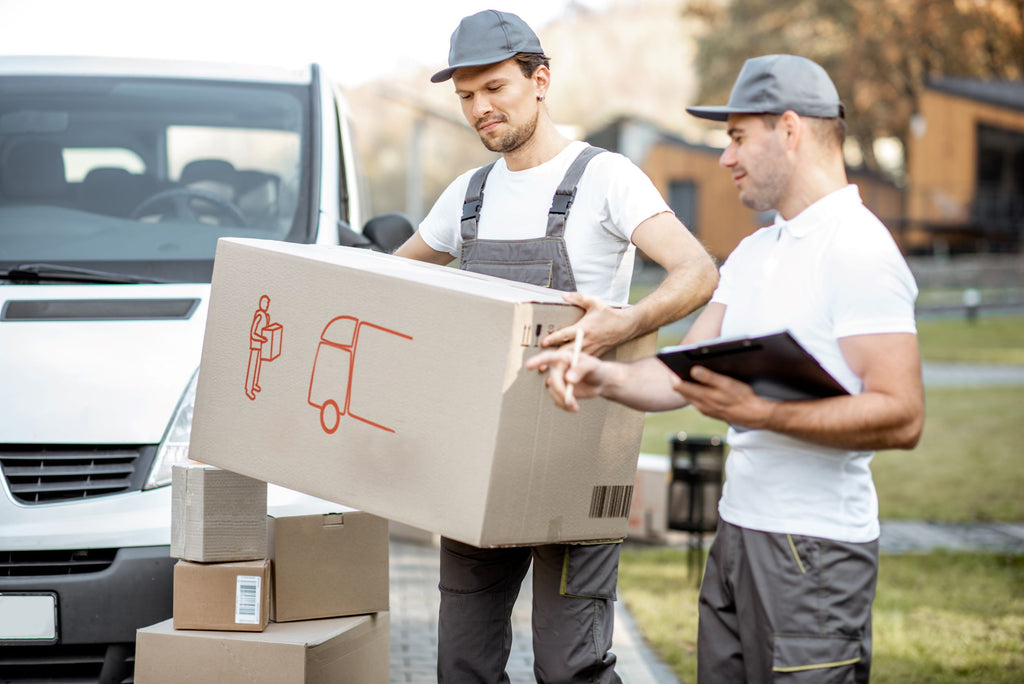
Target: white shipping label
<point>247,599</point>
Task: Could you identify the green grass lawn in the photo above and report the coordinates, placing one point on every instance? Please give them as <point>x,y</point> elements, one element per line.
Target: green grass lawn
<point>938,617</point>
<point>967,466</point>
<point>990,339</point>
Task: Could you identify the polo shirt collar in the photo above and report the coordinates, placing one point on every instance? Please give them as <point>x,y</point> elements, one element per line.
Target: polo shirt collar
<point>837,202</point>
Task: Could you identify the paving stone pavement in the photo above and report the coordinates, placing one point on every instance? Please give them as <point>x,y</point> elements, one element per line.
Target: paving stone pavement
<point>911,536</point>
<point>414,605</point>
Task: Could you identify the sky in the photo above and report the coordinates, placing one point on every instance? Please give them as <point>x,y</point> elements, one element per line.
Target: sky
<point>355,41</point>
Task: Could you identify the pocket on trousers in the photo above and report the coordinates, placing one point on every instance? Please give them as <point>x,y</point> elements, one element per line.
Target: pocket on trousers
<point>590,571</point>
<point>802,653</point>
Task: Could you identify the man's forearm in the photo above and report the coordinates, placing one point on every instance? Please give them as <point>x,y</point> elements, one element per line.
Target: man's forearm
<point>865,422</point>
<point>683,290</point>
<point>644,385</point>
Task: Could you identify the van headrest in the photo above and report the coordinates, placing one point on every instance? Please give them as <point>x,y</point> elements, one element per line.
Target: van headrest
<point>32,170</point>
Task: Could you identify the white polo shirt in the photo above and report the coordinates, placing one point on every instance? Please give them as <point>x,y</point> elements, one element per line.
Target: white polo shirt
<point>832,271</point>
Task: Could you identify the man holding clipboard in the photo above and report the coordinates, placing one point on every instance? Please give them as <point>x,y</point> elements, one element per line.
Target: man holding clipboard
<point>791,573</point>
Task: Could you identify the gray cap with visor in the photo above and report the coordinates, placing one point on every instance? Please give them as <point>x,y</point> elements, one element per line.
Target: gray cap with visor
<point>774,84</point>
<point>488,37</point>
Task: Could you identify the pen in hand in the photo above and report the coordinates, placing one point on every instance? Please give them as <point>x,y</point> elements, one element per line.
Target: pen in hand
<point>577,346</point>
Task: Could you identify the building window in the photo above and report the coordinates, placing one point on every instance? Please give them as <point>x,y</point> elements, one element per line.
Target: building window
<point>999,194</point>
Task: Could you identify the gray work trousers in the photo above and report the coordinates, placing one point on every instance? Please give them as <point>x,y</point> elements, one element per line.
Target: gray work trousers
<point>573,611</point>
<point>785,608</point>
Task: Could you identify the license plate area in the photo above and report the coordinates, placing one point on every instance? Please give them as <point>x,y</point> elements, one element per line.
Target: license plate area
<point>28,618</point>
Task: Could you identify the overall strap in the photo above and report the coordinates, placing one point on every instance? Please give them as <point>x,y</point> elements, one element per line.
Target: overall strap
<point>474,198</point>
<point>566,192</point>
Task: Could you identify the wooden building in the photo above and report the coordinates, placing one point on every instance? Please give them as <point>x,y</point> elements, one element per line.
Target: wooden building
<point>702,193</point>
<point>965,167</point>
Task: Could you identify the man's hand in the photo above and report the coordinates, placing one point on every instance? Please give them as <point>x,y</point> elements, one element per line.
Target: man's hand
<point>888,413</point>
<point>604,327</point>
<point>586,376</point>
<point>644,385</point>
<point>727,399</point>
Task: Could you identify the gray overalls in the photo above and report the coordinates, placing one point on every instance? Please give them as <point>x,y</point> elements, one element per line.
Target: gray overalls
<point>573,584</point>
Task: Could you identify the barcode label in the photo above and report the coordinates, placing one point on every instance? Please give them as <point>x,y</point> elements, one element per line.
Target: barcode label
<point>247,599</point>
<point>611,501</point>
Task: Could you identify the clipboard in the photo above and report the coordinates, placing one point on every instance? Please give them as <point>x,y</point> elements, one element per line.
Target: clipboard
<point>776,366</point>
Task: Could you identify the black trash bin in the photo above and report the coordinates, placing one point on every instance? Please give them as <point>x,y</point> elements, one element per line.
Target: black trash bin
<point>694,491</point>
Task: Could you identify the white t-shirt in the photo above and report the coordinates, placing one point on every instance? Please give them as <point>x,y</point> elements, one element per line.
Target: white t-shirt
<point>613,197</point>
<point>830,272</point>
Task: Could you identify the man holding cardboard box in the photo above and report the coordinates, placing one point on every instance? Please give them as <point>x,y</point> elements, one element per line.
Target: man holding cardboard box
<point>521,228</point>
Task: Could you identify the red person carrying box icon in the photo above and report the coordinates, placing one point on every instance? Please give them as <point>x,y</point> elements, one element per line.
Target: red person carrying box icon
<point>265,340</point>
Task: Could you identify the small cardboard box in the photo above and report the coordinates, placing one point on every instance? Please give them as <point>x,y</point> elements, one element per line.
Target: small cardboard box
<point>222,596</point>
<point>217,515</point>
<point>348,649</point>
<point>401,391</point>
<point>328,565</point>
<point>648,515</point>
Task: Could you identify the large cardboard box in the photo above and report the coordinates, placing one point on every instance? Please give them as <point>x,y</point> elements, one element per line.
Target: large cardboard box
<point>217,515</point>
<point>328,565</point>
<point>229,596</point>
<point>400,391</point>
<point>348,649</point>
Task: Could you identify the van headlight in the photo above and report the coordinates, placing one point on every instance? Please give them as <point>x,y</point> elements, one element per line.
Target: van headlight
<point>174,447</point>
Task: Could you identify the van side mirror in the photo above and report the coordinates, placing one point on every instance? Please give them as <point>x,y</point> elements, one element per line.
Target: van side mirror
<point>388,231</point>
<point>350,238</point>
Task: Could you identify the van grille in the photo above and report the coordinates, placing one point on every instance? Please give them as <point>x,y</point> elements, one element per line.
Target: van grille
<point>59,562</point>
<point>50,473</point>
<point>112,663</point>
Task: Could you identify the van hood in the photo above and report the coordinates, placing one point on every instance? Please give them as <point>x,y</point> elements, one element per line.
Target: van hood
<point>96,364</point>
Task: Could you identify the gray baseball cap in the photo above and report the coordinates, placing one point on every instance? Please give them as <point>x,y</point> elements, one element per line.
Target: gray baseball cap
<point>773,84</point>
<point>488,37</point>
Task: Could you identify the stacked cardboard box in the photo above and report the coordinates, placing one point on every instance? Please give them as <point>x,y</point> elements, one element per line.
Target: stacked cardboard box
<point>348,649</point>
<point>219,535</point>
<point>294,596</point>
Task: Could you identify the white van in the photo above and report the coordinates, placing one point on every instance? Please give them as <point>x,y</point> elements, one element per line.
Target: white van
<point>116,180</point>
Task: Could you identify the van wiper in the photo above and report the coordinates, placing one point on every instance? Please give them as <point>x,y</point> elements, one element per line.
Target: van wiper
<point>34,273</point>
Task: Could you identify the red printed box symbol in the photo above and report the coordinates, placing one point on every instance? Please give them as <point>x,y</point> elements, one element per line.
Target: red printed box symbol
<point>272,347</point>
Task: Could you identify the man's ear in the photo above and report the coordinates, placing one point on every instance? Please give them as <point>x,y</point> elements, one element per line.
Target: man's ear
<point>792,127</point>
<point>541,81</point>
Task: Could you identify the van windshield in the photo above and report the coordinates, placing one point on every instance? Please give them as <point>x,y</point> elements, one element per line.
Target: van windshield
<point>141,176</point>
